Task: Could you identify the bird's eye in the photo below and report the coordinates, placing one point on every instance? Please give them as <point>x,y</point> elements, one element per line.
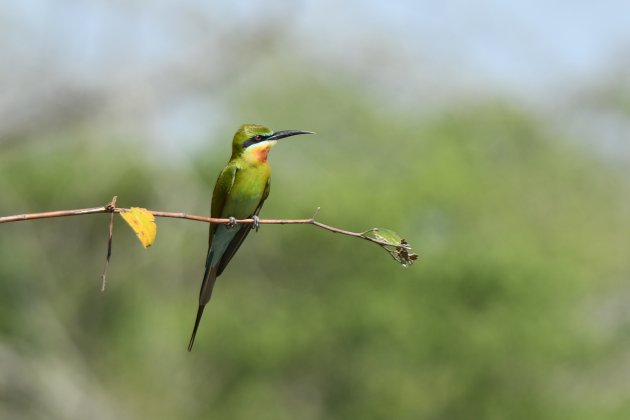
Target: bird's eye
<point>258,137</point>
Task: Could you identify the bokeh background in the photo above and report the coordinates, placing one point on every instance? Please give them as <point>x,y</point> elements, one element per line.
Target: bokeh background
<point>492,135</point>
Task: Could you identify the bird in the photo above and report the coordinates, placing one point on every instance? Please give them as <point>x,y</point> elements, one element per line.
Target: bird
<point>239,193</point>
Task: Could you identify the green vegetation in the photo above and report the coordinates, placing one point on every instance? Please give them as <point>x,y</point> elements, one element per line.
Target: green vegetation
<point>513,310</point>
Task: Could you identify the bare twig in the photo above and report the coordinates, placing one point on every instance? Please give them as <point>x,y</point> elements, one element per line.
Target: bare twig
<point>156,213</point>
<point>111,206</point>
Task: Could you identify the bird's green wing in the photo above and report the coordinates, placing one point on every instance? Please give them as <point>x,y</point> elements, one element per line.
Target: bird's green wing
<point>222,188</point>
<point>240,235</point>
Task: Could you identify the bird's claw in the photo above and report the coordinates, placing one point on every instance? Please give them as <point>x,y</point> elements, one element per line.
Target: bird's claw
<point>232,223</point>
<point>256,223</point>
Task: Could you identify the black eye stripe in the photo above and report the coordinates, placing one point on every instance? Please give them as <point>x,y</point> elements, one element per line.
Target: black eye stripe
<point>255,139</point>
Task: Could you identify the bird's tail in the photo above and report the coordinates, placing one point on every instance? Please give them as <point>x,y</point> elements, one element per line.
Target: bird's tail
<point>197,321</point>
<point>209,278</point>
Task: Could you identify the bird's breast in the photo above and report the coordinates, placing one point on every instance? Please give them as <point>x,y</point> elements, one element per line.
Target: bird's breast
<point>247,191</point>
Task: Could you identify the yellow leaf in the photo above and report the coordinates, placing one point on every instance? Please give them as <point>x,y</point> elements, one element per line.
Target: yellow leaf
<point>143,223</point>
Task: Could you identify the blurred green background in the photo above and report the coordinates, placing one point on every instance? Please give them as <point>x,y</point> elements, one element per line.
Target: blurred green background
<point>494,138</point>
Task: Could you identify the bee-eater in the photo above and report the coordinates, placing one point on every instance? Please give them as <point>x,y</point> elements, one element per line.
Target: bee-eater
<point>239,193</point>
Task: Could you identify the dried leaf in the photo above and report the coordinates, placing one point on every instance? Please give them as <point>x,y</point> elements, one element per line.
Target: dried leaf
<point>395,245</point>
<point>143,223</point>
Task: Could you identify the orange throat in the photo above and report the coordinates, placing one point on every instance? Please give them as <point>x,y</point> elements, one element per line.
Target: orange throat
<point>258,153</point>
<point>262,154</point>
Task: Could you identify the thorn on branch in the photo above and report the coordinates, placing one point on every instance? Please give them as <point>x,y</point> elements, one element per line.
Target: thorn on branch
<point>315,214</point>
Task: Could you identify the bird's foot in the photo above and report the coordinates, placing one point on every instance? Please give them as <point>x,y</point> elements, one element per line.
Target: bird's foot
<point>256,224</point>
<point>232,223</point>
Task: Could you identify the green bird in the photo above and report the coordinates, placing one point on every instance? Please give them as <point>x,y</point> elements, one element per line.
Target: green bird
<point>239,193</point>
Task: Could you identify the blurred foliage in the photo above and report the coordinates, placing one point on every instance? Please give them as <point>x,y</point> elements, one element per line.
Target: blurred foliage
<point>523,237</point>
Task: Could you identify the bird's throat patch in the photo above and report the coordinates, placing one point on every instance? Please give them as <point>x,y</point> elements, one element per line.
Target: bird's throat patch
<point>262,154</point>
<point>259,152</point>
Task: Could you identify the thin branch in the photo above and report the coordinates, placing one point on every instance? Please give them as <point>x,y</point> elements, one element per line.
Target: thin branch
<point>51,214</point>
<point>156,213</point>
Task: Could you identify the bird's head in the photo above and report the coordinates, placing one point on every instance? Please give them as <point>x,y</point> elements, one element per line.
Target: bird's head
<point>253,141</point>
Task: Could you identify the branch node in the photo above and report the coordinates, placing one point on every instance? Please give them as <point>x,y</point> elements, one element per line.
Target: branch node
<point>111,206</point>
<point>315,214</point>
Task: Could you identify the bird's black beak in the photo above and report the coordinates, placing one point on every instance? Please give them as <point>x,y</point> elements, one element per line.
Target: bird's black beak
<point>287,133</point>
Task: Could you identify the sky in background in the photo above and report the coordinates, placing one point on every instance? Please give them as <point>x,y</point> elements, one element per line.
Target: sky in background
<point>517,45</point>
<point>532,51</point>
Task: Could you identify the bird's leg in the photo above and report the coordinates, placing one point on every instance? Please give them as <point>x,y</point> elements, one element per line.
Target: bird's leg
<point>232,223</point>
<point>256,224</point>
